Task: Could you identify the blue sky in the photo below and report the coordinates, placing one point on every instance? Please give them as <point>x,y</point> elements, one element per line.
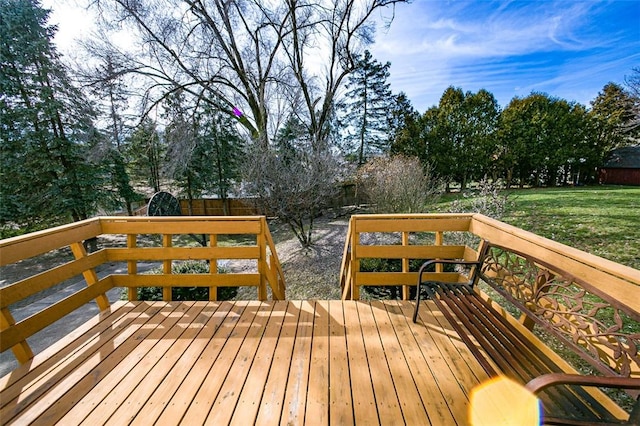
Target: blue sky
<point>566,48</point>
<point>569,49</point>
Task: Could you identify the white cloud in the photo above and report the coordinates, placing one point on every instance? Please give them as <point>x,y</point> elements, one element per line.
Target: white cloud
<point>507,48</point>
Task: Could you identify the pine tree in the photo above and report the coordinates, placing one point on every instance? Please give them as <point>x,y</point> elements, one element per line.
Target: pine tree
<point>146,150</point>
<point>368,100</point>
<point>106,83</point>
<point>204,149</point>
<point>221,143</point>
<point>404,127</point>
<point>613,113</point>
<point>47,133</point>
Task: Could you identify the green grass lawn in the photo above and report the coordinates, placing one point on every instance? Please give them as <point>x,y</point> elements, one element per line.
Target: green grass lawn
<point>602,220</point>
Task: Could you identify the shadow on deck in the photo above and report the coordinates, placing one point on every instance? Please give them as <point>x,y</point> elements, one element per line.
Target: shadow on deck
<point>244,362</point>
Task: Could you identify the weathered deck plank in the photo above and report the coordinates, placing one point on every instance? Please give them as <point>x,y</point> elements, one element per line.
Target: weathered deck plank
<point>324,362</point>
<point>422,371</point>
<point>364,403</point>
<point>385,393</point>
<point>270,407</point>
<point>203,401</point>
<point>295,398</point>
<point>186,367</point>
<point>340,405</point>
<point>317,411</point>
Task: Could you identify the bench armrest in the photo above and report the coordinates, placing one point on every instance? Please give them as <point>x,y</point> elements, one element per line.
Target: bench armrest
<point>552,379</point>
<point>425,265</point>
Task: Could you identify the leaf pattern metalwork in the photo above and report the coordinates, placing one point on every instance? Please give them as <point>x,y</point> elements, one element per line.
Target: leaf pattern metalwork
<point>561,303</point>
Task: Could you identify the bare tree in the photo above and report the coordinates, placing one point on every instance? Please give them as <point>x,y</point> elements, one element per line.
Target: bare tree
<point>252,58</point>
<point>633,86</point>
<point>260,62</point>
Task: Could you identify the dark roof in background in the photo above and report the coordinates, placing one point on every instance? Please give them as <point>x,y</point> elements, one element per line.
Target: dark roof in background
<point>627,157</point>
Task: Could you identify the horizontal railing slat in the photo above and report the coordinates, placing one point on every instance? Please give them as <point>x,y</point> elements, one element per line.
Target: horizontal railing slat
<point>26,246</point>
<point>179,226</point>
<point>186,280</point>
<point>42,281</point>
<point>400,224</point>
<point>402,278</point>
<point>410,252</point>
<point>182,253</point>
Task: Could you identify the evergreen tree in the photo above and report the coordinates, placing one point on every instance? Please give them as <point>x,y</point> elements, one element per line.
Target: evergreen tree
<point>204,150</point>
<point>226,147</point>
<point>146,151</point>
<point>47,133</point>
<point>367,106</point>
<point>543,140</point>
<point>106,83</point>
<point>482,113</point>
<point>613,113</point>
<point>402,121</point>
<point>466,124</point>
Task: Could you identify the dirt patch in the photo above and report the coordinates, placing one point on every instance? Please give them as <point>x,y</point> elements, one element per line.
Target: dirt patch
<point>313,273</point>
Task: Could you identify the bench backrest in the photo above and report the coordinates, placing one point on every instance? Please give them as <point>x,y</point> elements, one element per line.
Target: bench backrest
<point>602,331</point>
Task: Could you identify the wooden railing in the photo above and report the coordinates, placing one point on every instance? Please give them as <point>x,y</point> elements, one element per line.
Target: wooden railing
<point>256,247</point>
<point>396,233</point>
<point>430,236</point>
<point>580,302</point>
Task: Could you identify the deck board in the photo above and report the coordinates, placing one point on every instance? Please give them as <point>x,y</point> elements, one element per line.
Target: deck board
<point>295,362</point>
<point>340,405</point>
<point>270,407</point>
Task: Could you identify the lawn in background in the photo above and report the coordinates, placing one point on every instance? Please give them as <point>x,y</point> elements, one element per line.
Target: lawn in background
<point>601,220</point>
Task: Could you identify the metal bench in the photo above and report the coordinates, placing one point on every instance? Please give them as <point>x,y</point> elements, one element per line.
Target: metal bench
<point>581,318</point>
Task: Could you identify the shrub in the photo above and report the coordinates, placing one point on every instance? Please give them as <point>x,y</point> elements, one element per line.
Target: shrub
<point>486,199</point>
<point>398,184</point>
<point>186,293</point>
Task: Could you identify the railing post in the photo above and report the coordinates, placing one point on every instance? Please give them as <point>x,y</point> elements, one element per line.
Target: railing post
<point>90,275</point>
<point>213,268</point>
<point>273,270</point>
<point>345,268</point>
<point>22,351</point>
<point>262,261</point>
<point>166,267</point>
<point>405,265</point>
<point>132,267</point>
<point>439,242</point>
<point>355,262</point>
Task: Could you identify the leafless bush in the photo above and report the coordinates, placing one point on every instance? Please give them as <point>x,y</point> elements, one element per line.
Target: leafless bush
<point>398,184</point>
<point>294,185</point>
<point>486,199</point>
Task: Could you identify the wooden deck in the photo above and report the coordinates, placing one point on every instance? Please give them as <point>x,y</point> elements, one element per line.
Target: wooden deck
<point>326,362</point>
